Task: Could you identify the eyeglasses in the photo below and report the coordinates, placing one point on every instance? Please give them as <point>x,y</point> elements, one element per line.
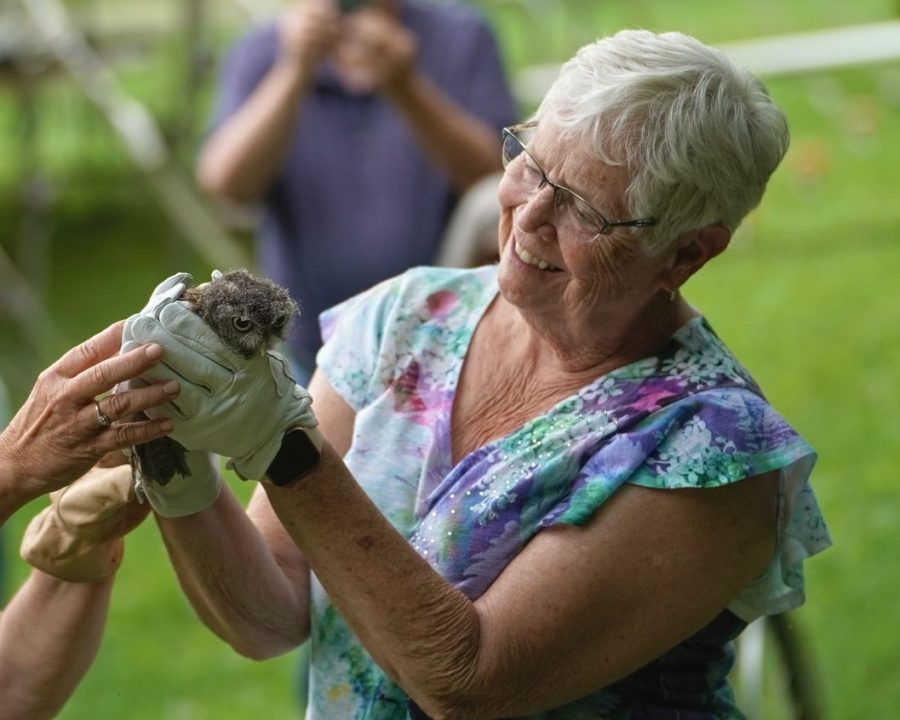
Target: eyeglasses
<point>571,204</point>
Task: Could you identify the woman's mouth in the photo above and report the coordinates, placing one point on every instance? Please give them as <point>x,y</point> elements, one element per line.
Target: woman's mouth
<point>529,259</point>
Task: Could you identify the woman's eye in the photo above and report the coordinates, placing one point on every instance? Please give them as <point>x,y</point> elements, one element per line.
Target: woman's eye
<point>584,214</point>
<point>587,218</point>
<point>531,168</point>
<point>242,324</point>
<point>568,202</point>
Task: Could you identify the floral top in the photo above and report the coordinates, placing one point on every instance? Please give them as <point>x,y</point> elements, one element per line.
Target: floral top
<point>690,417</point>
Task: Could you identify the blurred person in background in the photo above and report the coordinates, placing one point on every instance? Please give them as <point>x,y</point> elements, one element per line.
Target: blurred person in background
<point>357,125</point>
<point>543,488</point>
<point>67,442</point>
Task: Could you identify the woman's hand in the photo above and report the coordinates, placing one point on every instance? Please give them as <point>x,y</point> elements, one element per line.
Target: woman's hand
<point>63,429</point>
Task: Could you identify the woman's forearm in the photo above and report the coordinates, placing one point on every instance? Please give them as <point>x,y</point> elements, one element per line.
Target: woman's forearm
<point>49,635</point>
<point>419,628</point>
<point>234,582</point>
<point>13,492</point>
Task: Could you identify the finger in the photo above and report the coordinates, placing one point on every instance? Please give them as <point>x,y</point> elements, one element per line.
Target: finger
<point>191,330</point>
<point>103,345</point>
<point>127,434</point>
<point>177,282</point>
<point>190,399</point>
<point>126,403</point>
<point>158,374</point>
<point>105,375</point>
<point>167,291</point>
<point>185,358</point>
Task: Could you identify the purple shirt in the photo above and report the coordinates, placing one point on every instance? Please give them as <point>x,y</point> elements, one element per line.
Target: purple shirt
<point>358,201</point>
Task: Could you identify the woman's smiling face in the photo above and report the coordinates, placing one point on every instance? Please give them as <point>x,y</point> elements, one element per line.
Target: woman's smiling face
<point>552,259</point>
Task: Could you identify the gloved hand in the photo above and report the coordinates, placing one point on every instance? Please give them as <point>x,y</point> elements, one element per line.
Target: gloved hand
<point>169,290</point>
<point>184,495</point>
<point>79,537</point>
<point>228,404</point>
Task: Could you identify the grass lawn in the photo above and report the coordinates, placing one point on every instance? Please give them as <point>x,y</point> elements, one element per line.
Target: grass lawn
<point>807,296</point>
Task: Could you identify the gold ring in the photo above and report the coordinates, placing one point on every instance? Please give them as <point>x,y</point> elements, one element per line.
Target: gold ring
<point>102,418</point>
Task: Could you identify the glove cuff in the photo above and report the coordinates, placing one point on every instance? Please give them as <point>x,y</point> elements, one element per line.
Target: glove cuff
<point>184,495</point>
<point>49,546</point>
<point>257,465</point>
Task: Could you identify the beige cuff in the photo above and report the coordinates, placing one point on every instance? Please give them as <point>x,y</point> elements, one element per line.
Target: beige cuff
<point>79,537</point>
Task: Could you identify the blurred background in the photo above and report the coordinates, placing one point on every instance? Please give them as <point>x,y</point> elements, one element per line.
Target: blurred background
<point>103,104</point>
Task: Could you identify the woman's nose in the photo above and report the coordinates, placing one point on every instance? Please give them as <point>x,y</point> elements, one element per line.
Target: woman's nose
<point>536,208</point>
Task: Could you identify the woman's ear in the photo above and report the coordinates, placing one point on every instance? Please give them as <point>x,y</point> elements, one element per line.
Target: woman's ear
<point>693,250</point>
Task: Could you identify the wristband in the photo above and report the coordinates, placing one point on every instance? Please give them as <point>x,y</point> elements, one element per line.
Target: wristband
<point>299,453</point>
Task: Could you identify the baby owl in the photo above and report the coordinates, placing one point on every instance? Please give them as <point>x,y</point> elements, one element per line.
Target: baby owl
<point>250,315</point>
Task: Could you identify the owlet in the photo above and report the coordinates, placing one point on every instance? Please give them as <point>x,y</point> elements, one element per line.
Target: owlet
<point>251,315</point>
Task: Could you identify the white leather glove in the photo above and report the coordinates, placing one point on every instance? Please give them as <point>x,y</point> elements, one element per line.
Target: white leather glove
<point>169,290</point>
<point>184,495</point>
<point>230,405</point>
<point>78,538</point>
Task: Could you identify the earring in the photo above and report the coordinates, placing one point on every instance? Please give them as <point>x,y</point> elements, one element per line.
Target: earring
<point>672,294</point>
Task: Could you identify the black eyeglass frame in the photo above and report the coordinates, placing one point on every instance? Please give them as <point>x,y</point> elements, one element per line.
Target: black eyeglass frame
<point>605,224</point>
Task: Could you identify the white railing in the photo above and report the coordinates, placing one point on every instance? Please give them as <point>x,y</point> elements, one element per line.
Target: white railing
<point>776,55</point>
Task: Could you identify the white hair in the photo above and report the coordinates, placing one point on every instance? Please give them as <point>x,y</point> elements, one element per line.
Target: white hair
<point>698,135</point>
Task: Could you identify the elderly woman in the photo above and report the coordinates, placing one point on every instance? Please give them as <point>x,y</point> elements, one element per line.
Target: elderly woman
<point>51,629</point>
<point>548,488</point>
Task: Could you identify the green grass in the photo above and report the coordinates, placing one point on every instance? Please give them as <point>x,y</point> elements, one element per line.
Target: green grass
<point>807,296</point>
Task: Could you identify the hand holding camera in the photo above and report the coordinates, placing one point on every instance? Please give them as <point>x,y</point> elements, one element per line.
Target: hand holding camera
<point>372,51</point>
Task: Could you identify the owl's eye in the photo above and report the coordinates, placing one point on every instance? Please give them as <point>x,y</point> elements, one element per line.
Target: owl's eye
<point>242,325</point>
<point>279,323</point>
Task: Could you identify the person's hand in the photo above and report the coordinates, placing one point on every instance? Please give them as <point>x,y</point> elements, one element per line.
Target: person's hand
<point>375,52</point>
<point>307,32</point>
<point>79,537</point>
<point>188,494</point>
<point>62,429</point>
<point>168,291</point>
<point>228,404</point>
